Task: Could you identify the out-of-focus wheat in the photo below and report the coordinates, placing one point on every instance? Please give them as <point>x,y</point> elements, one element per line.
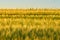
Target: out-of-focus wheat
<point>39,25</point>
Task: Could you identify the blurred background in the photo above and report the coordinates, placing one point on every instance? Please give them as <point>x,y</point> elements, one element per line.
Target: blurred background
<point>29,3</point>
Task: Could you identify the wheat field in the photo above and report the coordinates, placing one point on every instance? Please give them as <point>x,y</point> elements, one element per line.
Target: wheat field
<point>29,24</point>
